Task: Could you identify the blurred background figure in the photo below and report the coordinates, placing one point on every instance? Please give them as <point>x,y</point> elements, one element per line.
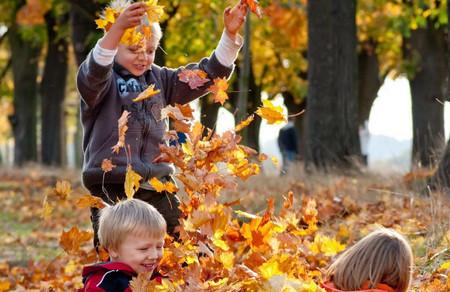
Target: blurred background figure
<point>287,141</point>
<point>364,137</point>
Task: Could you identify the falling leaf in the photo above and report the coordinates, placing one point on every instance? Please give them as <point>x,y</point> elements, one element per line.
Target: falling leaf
<point>154,11</point>
<point>62,189</point>
<point>244,123</point>
<point>195,78</point>
<point>254,7</point>
<point>274,160</point>
<point>46,209</point>
<point>89,201</point>
<point>271,113</point>
<point>107,165</point>
<point>149,92</point>
<point>122,128</point>
<point>262,157</point>
<point>218,89</point>
<point>132,182</point>
<point>71,240</point>
<point>160,186</point>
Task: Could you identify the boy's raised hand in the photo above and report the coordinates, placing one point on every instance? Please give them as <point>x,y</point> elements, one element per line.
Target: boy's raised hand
<point>234,18</point>
<point>131,16</point>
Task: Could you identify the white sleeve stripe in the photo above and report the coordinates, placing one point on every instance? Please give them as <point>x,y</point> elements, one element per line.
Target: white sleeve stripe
<point>227,50</point>
<point>103,278</point>
<point>103,56</point>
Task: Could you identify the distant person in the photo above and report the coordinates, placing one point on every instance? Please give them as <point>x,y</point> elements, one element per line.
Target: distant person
<point>287,141</point>
<point>364,137</point>
<point>381,261</point>
<point>132,232</point>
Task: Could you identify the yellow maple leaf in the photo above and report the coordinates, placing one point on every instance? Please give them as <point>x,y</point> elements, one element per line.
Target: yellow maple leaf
<point>326,245</point>
<point>159,186</point>
<point>132,182</point>
<point>271,113</point>
<point>47,209</point>
<point>147,93</point>
<point>227,259</point>
<point>244,123</point>
<point>154,11</point>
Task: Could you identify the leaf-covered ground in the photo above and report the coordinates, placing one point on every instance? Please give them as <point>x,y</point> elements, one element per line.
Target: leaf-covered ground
<point>347,208</point>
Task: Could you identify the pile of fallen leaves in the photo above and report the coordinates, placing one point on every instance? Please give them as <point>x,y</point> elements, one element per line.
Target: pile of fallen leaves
<point>223,247</point>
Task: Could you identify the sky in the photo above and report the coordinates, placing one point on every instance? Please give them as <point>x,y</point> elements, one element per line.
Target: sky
<point>391,112</point>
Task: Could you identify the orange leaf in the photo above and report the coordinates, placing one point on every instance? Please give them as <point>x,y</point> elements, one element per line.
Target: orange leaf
<point>254,7</point>
<point>71,240</point>
<point>181,126</point>
<point>149,92</point>
<point>88,201</point>
<point>195,78</point>
<point>160,186</point>
<point>107,165</point>
<point>244,123</point>
<point>62,189</point>
<point>177,112</point>
<point>219,90</point>
<point>271,113</point>
<point>122,126</point>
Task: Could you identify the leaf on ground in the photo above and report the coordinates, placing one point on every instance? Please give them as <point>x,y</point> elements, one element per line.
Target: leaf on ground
<point>147,93</point>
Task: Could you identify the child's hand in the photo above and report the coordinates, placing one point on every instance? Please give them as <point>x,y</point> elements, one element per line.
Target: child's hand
<point>234,18</point>
<point>131,16</point>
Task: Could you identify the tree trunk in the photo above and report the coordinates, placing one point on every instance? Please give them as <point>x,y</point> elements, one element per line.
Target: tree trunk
<point>427,46</point>
<point>25,57</point>
<point>53,87</point>
<point>369,81</point>
<point>441,179</point>
<point>244,78</point>
<point>332,108</point>
<point>209,112</point>
<point>82,15</point>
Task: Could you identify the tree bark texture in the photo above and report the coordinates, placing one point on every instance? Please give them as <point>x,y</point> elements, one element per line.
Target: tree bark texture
<point>427,47</point>
<point>25,57</point>
<point>441,178</point>
<point>369,81</point>
<point>332,107</point>
<point>52,90</point>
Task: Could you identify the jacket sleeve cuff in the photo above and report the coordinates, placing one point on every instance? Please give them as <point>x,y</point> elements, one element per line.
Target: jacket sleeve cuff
<point>227,50</point>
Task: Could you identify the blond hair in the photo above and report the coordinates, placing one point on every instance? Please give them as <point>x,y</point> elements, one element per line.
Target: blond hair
<point>129,216</point>
<point>382,257</point>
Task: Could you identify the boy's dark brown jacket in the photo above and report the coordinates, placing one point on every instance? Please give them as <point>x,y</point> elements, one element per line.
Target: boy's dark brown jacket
<point>106,91</point>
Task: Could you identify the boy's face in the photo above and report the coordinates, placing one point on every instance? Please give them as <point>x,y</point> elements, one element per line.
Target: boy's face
<point>141,252</point>
<point>136,59</point>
